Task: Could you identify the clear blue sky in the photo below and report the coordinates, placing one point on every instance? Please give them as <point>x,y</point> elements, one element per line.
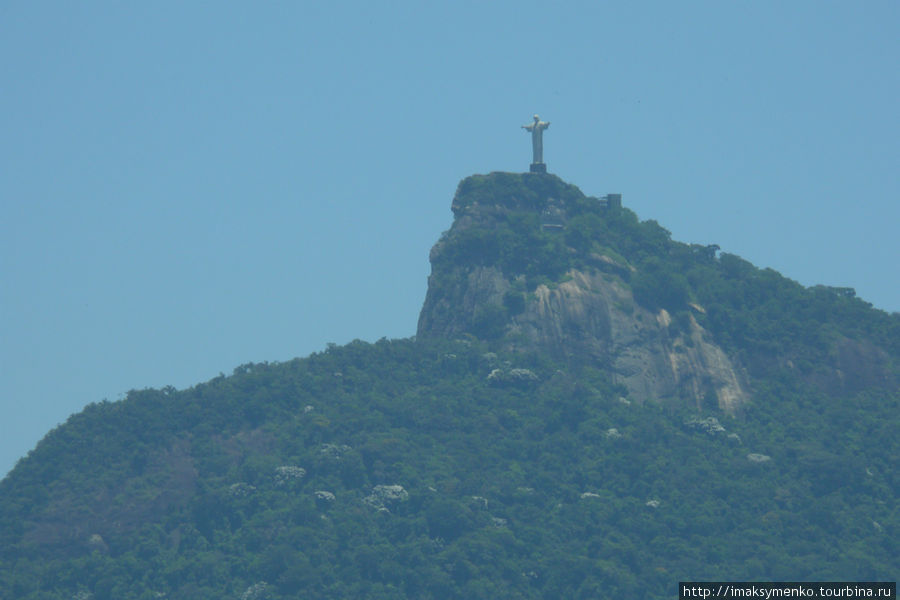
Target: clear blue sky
<point>186,187</point>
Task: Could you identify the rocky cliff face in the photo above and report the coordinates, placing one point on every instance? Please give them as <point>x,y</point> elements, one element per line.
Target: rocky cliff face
<point>586,315</point>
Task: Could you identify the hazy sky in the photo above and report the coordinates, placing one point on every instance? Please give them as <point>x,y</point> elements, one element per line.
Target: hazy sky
<point>186,187</point>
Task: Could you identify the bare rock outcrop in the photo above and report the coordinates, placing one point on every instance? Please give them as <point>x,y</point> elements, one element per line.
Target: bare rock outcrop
<point>592,316</point>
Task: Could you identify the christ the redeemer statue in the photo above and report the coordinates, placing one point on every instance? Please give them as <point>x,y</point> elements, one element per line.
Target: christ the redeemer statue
<point>537,143</point>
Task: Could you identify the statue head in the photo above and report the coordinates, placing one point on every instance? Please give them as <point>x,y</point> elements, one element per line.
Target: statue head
<point>536,118</point>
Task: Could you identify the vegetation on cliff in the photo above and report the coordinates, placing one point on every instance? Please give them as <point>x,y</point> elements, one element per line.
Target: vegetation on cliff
<point>766,321</point>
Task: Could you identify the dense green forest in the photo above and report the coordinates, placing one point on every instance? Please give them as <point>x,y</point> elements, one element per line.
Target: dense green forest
<point>437,468</point>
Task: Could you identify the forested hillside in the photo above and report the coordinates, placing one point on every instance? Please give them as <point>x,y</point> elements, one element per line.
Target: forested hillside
<point>478,460</point>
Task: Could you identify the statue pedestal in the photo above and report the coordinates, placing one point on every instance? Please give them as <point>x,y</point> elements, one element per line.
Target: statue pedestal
<point>538,168</point>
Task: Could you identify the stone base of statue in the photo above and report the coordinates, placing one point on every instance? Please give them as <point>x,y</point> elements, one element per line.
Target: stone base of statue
<point>538,168</point>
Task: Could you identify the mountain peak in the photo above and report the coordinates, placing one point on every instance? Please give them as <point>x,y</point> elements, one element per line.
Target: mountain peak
<point>529,267</point>
<point>533,265</point>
